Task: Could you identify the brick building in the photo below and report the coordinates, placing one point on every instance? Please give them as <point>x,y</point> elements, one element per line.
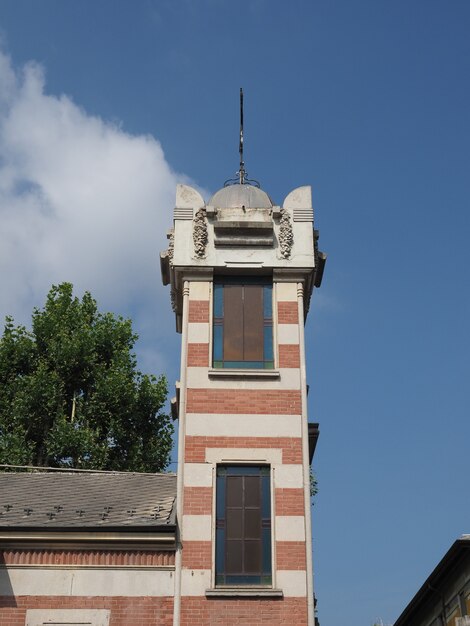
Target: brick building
<point>242,272</point>
<point>92,548</point>
<point>444,597</point>
<point>228,540</point>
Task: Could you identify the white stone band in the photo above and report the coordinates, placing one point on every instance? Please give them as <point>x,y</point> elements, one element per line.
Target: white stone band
<point>289,528</point>
<point>228,425</point>
<point>103,581</point>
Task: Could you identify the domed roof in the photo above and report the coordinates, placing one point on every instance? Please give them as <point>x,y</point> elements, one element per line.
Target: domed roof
<point>238,195</point>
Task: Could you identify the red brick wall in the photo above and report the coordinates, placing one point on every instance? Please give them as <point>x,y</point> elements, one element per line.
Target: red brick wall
<point>287,313</point>
<point>251,401</point>
<point>195,447</point>
<point>197,554</point>
<point>197,500</point>
<point>289,501</point>
<point>196,611</point>
<point>198,355</point>
<point>89,557</point>
<point>290,555</point>
<point>198,311</point>
<point>142,611</point>
<point>289,355</point>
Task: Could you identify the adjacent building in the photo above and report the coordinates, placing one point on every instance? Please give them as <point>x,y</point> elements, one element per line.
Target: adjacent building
<point>444,597</point>
<point>88,548</point>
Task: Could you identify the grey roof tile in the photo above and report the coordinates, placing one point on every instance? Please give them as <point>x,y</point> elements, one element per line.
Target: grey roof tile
<point>86,499</point>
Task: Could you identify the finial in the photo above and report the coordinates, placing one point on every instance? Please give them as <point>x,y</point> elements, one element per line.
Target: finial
<point>241,175</point>
<point>241,171</point>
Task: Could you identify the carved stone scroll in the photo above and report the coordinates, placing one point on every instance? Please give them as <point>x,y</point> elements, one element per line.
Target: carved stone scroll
<point>286,234</point>
<point>200,236</point>
<point>171,245</point>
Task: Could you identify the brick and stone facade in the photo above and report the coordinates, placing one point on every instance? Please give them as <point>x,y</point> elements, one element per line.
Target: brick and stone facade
<point>243,416</point>
<point>228,540</point>
<point>87,548</point>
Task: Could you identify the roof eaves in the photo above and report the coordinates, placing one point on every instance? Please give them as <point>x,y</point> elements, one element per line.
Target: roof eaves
<point>445,565</point>
<point>153,538</point>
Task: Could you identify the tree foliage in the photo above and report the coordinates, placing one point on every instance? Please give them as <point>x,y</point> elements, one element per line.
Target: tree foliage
<point>313,484</point>
<point>70,393</point>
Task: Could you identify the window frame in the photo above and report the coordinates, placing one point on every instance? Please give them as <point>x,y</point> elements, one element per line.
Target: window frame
<point>264,579</point>
<point>218,327</point>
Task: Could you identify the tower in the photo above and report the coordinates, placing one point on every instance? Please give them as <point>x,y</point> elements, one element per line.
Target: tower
<point>242,271</point>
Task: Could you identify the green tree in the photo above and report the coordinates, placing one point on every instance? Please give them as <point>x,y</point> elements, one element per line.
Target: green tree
<point>313,484</point>
<point>70,393</point>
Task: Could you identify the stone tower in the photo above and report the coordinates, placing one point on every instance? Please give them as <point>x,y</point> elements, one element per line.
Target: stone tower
<point>242,271</point>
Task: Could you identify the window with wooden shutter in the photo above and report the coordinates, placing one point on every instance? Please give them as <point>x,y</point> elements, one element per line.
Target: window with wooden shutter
<point>243,324</point>
<point>243,526</point>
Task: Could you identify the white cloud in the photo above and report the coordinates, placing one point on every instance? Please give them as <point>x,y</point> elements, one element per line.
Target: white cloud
<point>80,201</point>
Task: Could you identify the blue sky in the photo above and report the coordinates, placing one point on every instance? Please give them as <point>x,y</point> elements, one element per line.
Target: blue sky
<point>105,105</point>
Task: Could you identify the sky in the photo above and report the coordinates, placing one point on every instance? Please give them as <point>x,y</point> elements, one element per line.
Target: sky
<point>105,105</point>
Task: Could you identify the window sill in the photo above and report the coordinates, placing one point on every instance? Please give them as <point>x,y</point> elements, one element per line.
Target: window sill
<point>244,592</point>
<point>242,373</point>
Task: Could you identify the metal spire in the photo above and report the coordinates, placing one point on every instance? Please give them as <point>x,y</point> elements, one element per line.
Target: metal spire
<point>241,175</point>
<point>241,171</point>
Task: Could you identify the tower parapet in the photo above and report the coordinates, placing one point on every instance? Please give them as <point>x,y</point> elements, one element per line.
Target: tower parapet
<point>241,229</point>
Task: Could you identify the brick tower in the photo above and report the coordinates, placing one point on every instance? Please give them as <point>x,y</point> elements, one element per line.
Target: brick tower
<point>242,271</point>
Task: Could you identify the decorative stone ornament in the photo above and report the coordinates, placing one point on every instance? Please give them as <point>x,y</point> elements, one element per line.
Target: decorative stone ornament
<point>171,244</point>
<point>200,237</point>
<point>286,234</point>
<point>173,299</point>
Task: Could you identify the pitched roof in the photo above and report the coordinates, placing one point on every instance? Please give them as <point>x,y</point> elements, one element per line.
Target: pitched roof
<point>436,581</point>
<point>100,500</point>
